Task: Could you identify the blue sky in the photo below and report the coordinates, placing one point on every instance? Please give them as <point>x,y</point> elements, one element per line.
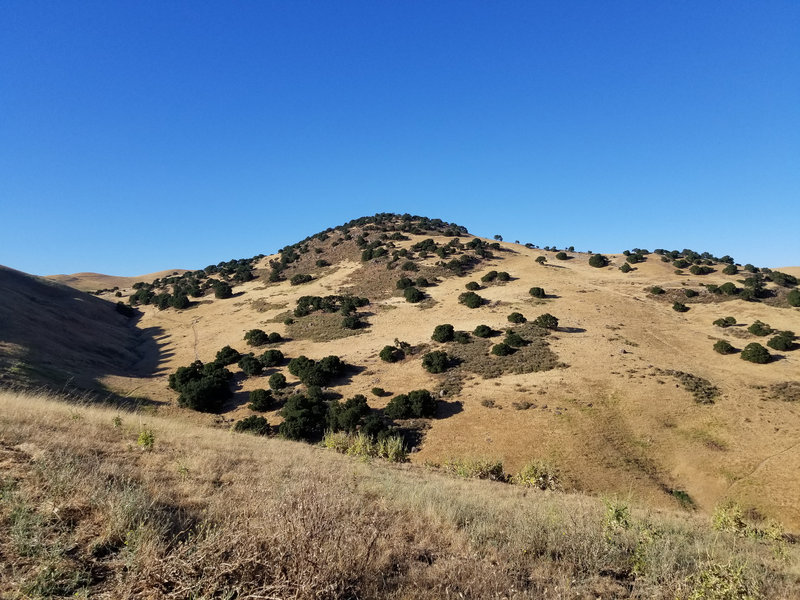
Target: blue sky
<point>140,136</point>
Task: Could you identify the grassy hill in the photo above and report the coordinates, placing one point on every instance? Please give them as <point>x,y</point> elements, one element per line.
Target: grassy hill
<point>626,397</point>
<point>101,503</point>
<point>55,336</point>
<point>91,282</point>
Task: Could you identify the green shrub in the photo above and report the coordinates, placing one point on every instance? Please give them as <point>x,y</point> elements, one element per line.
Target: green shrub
<point>260,400</point>
<point>272,358</point>
<point>125,309</point>
<point>473,286</point>
<point>516,317</point>
<point>250,365</point>
<point>541,259</point>
<point>700,270</point>
<point>421,282</point>
<point>443,333</point>
<point>416,404</point>
<point>436,361</point>
<point>483,331</point>
<point>222,290</point>
<point>656,290</point>
<point>471,299</point>
<point>502,349</point>
<point>227,356</point>
<point>634,258</point>
<point>730,270</point>
<point>679,307</point>
<point>681,263</point>
<point>540,475</point>
<point>793,298</point>
<point>515,340</point>
<point>546,321</point>
<point>626,268</point>
<point>690,293</point>
<point>146,439</point>
<point>201,387</point>
<point>783,341</point>
<point>598,261</point>
<point>476,468</point>
<point>728,288</point>
<point>756,353</point>
<point>409,265</point>
<point>503,276</point>
<point>300,278</point>
<point>378,391</point>
<point>179,301</point>
<point>277,381</point>
<point>489,277</point>
<point>348,415</point>
<point>256,337</point>
<point>724,347</point>
<point>391,354</point>
<point>323,263</point>
<point>779,343</point>
<point>403,283</point>
<point>759,328</point>
<point>537,292</point>
<point>562,256</point>
<point>413,295</point>
<point>316,373</point>
<point>721,582</point>
<point>724,322</point>
<point>303,417</point>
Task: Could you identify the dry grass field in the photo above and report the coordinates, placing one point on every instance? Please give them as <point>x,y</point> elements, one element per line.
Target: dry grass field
<point>103,503</point>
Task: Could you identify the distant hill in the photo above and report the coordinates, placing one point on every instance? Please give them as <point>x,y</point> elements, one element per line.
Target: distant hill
<point>90,282</point>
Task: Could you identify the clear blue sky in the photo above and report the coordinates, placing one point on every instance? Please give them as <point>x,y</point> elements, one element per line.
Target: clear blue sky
<point>142,135</point>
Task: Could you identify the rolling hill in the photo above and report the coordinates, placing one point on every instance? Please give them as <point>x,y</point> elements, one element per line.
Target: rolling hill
<point>626,396</point>
<point>90,282</point>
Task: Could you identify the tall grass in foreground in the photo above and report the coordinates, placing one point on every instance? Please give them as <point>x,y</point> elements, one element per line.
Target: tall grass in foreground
<point>360,444</point>
<point>88,511</point>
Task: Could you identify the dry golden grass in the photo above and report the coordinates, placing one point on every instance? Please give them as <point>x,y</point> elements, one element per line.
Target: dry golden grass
<point>107,504</point>
<point>90,282</point>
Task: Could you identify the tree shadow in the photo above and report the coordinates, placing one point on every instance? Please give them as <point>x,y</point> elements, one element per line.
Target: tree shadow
<point>346,377</point>
<point>571,329</point>
<point>448,408</point>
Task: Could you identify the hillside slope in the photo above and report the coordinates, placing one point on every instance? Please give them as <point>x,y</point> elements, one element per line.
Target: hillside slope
<point>627,396</point>
<point>90,282</point>
<point>101,503</point>
<point>53,335</point>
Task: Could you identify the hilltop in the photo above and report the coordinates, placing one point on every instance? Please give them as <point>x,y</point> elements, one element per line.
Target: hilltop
<point>91,282</point>
<point>625,395</point>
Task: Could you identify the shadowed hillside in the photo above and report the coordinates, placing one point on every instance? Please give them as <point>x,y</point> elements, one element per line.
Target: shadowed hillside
<point>53,335</point>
